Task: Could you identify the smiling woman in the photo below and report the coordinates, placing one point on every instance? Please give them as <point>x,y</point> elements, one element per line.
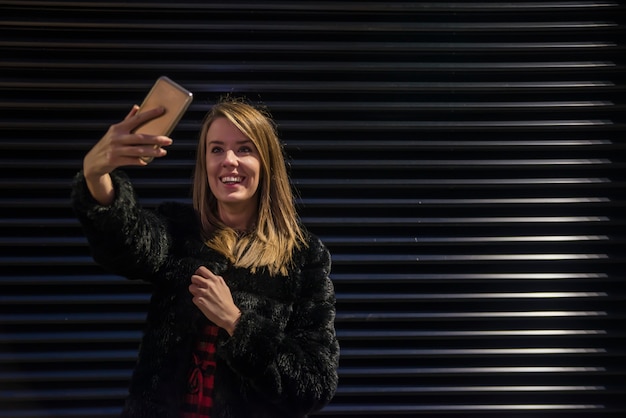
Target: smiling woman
<point>239,141</point>
<point>241,321</point>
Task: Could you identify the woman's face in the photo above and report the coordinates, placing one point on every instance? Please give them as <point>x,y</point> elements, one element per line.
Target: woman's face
<point>233,165</point>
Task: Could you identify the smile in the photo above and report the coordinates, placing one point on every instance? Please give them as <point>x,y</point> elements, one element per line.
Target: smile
<point>231,180</point>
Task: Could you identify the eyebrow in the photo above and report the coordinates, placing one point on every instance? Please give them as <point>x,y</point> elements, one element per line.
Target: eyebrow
<point>241,141</point>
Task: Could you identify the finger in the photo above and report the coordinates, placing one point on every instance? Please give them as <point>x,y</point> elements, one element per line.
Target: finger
<point>148,114</point>
<point>146,158</point>
<point>132,139</point>
<point>204,282</point>
<point>133,112</point>
<point>199,301</point>
<point>194,290</point>
<point>202,271</point>
<point>206,273</point>
<point>148,150</point>
<point>139,118</point>
<point>198,281</point>
<point>130,154</point>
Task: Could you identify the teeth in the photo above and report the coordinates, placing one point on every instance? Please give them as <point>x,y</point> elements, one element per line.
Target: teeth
<point>231,179</point>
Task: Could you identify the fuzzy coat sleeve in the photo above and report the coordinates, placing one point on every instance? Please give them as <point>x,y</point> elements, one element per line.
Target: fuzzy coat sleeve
<point>124,239</point>
<point>295,366</point>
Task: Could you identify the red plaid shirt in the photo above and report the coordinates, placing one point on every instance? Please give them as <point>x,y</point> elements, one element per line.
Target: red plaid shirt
<point>198,400</point>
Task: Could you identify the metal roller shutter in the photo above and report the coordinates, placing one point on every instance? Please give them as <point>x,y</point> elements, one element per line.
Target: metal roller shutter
<point>464,162</point>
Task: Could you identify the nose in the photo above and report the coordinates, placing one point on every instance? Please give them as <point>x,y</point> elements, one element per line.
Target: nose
<point>230,159</point>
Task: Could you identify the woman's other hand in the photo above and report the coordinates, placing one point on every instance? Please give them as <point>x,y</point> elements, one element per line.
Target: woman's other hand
<point>212,296</point>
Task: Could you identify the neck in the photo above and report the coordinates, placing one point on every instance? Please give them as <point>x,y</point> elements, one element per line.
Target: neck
<point>240,219</point>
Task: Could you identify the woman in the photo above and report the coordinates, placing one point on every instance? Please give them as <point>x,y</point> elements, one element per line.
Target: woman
<point>241,320</point>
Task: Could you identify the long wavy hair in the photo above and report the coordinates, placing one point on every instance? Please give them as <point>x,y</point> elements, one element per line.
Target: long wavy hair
<point>277,231</point>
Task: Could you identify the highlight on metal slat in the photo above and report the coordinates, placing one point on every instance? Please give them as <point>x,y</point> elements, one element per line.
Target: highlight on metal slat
<point>73,318</point>
<point>69,357</point>
<point>315,67</point>
<point>63,394</point>
<point>338,47</point>
<point>392,277</point>
<point>75,337</point>
<point>396,164</point>
<point>408,336</point>
<point>386,87</point>
<point>454,297</point>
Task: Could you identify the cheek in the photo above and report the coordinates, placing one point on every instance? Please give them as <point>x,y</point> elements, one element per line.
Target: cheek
<point>210,171</point>
<point>211,163</point>
<point>257,171</point>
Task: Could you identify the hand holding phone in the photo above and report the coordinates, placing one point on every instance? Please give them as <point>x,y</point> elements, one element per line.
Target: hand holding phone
<point>169,95</point>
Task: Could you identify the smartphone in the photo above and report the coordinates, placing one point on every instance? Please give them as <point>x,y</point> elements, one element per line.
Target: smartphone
<point>174,98</point>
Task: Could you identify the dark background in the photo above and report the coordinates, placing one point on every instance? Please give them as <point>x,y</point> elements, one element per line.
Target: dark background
<point>463,161</point>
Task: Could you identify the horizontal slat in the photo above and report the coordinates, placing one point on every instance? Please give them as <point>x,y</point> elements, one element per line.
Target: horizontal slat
<point>404,353</point>
<point>48,241</point>
<point>321,86</point>
<point>80,299</point>
<point>339,6</point>
<point>317,67</point>
<point>477,182</point>
<point>47,261</point>
<point>460,258</point>
<point>381,107</point>
<point>18,222</point>
<point>478,315</point>
<point>582,145</point>
<point>380,221</point>
<point>497,240</point>
<point>392,277</point>
<point>393,126</point>
<point>343,297</point>
<point>451,297</point>
<point>353,47</point>
<point>347,25</point>
<point>371,409</point>
<point>65,337</point>
<point>75,412</point>
<point>501,165</point>
<point>333,202</point>
<point>503,335</point>
<point>70,318</point>
<point>469,389</point>
<point>340,278</point>
<point>69,357</point>
<point>361,259</point>
<point>488,202</point>
<point>466,371</point>
<point>60,279</point>
<point>54,241</point>
<point>61,394</point>
<point>64,376</point>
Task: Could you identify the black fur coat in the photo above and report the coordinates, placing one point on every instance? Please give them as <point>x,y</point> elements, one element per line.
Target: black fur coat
<point>281,360</point>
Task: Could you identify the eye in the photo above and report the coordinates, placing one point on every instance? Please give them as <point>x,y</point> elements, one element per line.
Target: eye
<point>215,150</point>
<point>245,149</point>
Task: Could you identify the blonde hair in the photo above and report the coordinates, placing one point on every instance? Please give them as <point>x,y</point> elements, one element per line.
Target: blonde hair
<point>277,232</point>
